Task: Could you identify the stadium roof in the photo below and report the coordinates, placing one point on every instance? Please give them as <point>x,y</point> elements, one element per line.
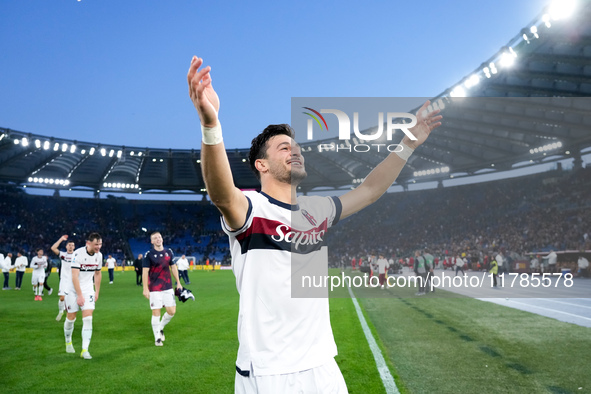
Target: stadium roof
<point>529,103</point>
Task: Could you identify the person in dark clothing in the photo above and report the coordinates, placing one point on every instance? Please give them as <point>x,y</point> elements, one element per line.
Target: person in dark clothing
<point>420,268</point>
<point>137,265</point>
<point>48,269</point>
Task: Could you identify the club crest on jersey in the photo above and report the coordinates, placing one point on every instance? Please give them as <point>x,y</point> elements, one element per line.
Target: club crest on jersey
<point>309,217</point>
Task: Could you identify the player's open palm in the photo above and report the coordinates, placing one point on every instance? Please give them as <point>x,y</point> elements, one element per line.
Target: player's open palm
<point>426,122</point>
<point>201,91</point>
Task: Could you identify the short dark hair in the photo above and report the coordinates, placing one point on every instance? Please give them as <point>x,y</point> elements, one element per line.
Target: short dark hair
<point>71,241</point>
<point>258,147</point>
<point>93,237</point>
<point>154,233</point>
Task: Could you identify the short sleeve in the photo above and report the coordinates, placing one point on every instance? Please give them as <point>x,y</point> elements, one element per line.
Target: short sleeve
<point>75,262</point>
<point>246,224</point>
<point>146,260</point>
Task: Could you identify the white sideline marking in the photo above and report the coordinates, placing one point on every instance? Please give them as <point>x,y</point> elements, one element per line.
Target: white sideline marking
<point>568,303</point>
<point>383,370</point>
<point>550,309</point>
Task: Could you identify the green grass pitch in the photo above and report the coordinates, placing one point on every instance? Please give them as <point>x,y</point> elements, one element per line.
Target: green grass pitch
<point>444,345</point>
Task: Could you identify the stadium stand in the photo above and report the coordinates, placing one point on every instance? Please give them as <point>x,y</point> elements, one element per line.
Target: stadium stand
<point>531,214</point>
<point>519,216</point>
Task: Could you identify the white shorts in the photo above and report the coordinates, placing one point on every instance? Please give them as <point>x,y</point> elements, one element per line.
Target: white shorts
<point>326,378</point>
<point>72,304</point>
<point>38,278</point>
<point>158,299</point>
<point>61,291</point>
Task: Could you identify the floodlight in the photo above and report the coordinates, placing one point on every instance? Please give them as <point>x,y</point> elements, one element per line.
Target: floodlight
<point>507,59</point>
<point>458,92</point>
<point>562,9</point>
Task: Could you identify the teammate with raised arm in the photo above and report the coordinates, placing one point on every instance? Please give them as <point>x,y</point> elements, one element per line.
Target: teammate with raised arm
<point>65,271</point>
<point>81,294</point>
<point>286,344</point>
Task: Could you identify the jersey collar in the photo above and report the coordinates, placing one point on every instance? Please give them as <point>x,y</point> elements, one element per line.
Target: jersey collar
<point>272,200</point>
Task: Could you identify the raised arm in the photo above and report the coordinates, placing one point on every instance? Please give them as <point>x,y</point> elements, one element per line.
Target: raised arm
<point>55,246</point>
<point>214,160</point>
<point>385,173</point>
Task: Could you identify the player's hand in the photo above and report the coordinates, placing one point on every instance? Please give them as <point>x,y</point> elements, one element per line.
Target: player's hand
<point>426,122</point>
<point>80,300</point>
<point>204,97</point>
<point>147,293</point>
<point>96,296</point>
<point>64,237</point>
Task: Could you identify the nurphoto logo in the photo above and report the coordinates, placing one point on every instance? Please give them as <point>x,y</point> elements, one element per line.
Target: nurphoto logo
<point>345,129</point>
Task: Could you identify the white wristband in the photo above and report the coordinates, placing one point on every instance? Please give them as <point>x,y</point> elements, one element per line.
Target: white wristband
<point>212,135</point>
<point>405,153</point>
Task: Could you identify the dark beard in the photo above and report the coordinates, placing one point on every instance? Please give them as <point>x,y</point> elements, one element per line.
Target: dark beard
<point>297,177</point>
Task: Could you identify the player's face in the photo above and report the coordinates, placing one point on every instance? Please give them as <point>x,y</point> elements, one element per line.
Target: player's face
<point>156,240</point>
<point>70,246</point>
<point>40,253</point>
<point>285,160</point>
<point>94,246</point>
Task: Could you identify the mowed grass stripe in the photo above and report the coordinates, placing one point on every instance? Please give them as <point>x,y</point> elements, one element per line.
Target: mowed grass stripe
<point>450,345</point>
<point>198,355</point>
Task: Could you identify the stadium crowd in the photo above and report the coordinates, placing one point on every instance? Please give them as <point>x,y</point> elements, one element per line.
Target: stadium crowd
<point>518,216</point>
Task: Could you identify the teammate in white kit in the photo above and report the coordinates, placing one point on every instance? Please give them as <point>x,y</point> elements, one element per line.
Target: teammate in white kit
<point>20,264</point>
<point>286,343</point>
<point>81,294</point>
<point>38,263</point>
<point>65,271</point>
<point>111,267</point>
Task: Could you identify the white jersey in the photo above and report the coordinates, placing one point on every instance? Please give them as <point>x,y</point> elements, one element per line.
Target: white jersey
<point>499,260</point>
<point>39,263</point>
<point>280,333</point>
<point>182,264</point>
<point>7,264</point>
<point>88,265</point>
<point>382,265</point>
<point>21,263</point>
<point>111,263</point>
<point>552,258</point>
<point>66,270</point>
